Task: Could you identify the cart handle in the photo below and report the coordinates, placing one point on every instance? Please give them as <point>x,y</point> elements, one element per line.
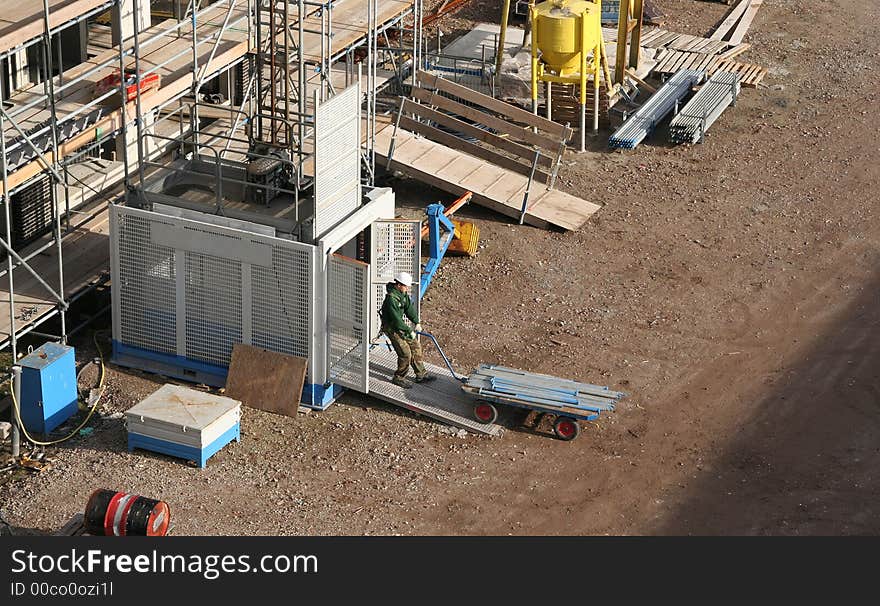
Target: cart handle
<point>433,339</point>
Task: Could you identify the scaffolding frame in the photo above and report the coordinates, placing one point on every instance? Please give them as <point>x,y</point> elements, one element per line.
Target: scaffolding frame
<point>286,91</point>
<point>54,161</point>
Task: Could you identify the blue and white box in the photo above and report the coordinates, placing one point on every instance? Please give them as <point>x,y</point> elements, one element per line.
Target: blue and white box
<point>183,423</point>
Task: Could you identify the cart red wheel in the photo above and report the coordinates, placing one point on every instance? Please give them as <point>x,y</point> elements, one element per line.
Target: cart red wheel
<point>567,428</point>
<point>485,412</point>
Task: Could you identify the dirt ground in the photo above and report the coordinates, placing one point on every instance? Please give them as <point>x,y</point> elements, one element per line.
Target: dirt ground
<point>729,287</point>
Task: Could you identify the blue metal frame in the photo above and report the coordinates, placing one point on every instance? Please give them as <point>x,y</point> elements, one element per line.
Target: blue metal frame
<point>438,243</point>
<point>433,339</point>
<point>189,453</point>
<point>538,407</point>
<point>316,397</point>
<point>320,397</point>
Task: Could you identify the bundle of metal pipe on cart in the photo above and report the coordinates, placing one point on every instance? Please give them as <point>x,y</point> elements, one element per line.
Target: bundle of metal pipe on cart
<point>543,391</point>
<point>695,118</point>
<point>657,107</point>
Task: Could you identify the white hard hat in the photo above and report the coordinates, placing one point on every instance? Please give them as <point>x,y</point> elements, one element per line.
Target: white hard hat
<point>404,278</point>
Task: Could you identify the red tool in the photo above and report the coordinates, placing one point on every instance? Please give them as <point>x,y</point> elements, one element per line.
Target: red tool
<point>148,82</point>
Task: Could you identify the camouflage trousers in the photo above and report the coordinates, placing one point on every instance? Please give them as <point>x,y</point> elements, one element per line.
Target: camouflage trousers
<point>409,353</point>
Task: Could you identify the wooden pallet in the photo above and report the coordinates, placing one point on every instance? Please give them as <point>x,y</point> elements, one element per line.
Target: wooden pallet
<point>659,38</point>
<point>75,527</point>
<point>671,62</point>
<point>750,74</point>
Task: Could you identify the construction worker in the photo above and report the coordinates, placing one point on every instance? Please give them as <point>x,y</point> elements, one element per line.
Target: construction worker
<point>395,308</point>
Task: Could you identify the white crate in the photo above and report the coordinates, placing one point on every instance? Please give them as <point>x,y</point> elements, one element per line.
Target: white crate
<point>183,416</point>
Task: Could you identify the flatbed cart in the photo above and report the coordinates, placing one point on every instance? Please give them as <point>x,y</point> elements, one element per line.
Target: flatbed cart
<point>492,385</point>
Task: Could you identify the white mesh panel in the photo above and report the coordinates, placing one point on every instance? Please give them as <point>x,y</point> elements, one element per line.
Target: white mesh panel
<point>213,307</point>
<point>215,292</point>
<point>337,159</point>
<point>396,247</point>
<point>347,307</point>
<point>282,300</point>
<point>145,288</point>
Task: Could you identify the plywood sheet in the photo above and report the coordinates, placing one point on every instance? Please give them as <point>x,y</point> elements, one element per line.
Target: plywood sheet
<point>266,380</point>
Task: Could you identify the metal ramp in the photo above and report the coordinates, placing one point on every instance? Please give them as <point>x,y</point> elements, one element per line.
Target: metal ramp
<point>442,399</point>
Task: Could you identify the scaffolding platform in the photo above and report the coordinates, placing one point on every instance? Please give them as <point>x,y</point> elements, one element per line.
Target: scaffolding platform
<point>442,399</point>
<point>494,187</point>
<point>85,251</point>
<point>162,52</point>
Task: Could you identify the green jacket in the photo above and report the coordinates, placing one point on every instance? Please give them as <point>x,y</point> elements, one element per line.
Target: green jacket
<point>395,306</point>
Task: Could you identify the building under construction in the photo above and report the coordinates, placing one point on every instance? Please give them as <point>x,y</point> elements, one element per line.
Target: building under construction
<point>222,153</point>
<point>221,159</point>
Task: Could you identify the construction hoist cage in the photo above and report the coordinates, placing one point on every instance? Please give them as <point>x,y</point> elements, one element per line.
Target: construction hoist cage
<point>192,290</point>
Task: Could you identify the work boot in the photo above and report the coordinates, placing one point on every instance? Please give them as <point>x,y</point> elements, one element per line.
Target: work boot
<point>425,378</point>
<point>400,382</point>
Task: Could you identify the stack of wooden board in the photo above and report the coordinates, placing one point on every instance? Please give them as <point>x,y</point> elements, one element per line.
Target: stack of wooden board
<point>659,38</point>
<point>715,53</point>
<point>737,22</point>
<point>750,74</point>
<point>673,61</point>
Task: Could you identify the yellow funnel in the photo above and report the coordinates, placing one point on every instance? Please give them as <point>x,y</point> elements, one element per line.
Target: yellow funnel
<point>557,26</point>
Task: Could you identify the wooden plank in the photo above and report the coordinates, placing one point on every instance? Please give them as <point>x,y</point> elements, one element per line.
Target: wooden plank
<point>461,164</point>
<point>85,253</point>
<point>735,51</point>
<point>743,26</point>
<point>660,59</point>
<point>707,62</point>
<point>730,20</point>
<point>669,39</point>
<point>266,380</point>
<point>651,35</point>
<point>720,47</point>
<point>668,61</point>
<point>493,122</point>
<point>560,210</point>
<point>641,82</point>
<point>483,180</point>
<point>22,21</point>
<point>658,41</point>
<point>449,140</point>
<point>674,57</point>
<point>749,76</point>
<point>683,42</point>
<point>527,153</point>
<point>705,46</point>
<point>758,77</point>
<point>676,66</point>
<point>500,107</point>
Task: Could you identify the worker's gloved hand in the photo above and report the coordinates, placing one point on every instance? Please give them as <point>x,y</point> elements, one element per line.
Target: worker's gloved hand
<point>419,328</point>
<point>411,336</point>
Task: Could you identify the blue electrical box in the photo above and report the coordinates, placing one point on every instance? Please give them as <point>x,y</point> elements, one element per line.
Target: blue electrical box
<point>48,387</point>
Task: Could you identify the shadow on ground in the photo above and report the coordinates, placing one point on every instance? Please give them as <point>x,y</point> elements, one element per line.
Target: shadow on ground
<point>809,461</point>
